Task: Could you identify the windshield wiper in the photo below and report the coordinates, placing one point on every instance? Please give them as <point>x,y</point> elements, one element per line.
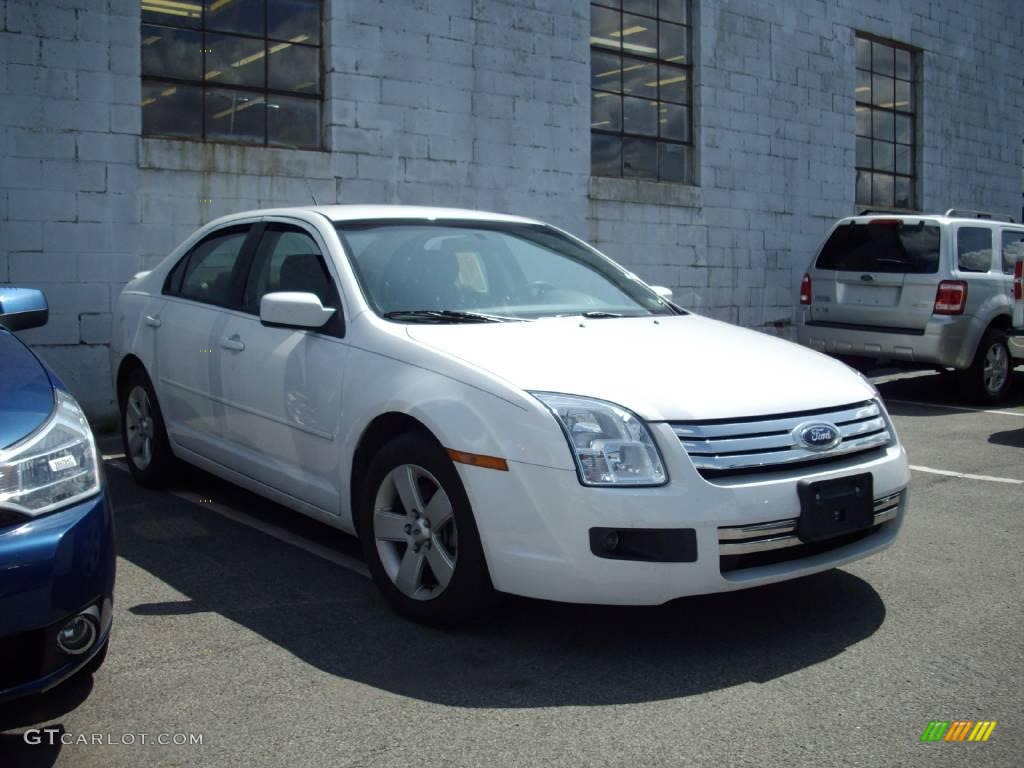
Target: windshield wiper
<point>598,314</point>
<point>444,316</point>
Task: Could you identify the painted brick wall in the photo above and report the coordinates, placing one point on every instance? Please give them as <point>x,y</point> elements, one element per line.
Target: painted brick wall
<point>482,103</point>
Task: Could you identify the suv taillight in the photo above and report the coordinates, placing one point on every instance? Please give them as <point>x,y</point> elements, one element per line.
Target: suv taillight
<point>951,298</point>
<point>1018,280</point>
<point>805,290</point>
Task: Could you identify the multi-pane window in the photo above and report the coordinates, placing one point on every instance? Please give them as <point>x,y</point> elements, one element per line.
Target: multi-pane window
<point>232,70</point>
<point>886,105</point>
<point>640,79</point>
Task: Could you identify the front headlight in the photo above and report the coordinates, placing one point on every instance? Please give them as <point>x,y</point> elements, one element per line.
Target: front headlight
<point>611,445</point>
<point>54,467</point>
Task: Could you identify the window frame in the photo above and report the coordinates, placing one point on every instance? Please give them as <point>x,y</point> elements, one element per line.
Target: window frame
<point>173,282</point>
<point>261,253</point>
<point>265,91</point>
<point>657,60</point>
<point>913,82</point>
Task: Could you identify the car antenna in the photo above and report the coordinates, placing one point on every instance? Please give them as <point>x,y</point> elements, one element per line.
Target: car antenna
<point>311,192</point>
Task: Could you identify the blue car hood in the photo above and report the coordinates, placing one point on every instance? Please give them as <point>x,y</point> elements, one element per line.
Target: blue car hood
<point>26,394</point>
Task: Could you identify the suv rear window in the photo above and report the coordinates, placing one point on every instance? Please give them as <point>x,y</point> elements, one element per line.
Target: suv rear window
<point>892,245</point>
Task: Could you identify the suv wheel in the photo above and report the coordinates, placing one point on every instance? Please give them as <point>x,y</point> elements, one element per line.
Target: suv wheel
<point>419,536</point>
<point>988,379</point>
<point>146,447</point>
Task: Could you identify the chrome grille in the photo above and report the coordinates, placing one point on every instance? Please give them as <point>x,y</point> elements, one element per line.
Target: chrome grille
<point>766,443</point>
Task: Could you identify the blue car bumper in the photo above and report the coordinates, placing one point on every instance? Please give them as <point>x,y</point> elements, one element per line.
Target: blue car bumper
<point>53,568</point>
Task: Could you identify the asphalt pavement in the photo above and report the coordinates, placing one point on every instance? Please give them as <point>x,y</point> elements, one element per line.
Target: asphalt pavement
<point>260,634</point>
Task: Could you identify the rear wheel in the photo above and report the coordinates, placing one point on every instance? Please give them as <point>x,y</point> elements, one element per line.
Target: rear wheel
<point>988,378</point>
<point>146,447</point>
<point>419,535</point>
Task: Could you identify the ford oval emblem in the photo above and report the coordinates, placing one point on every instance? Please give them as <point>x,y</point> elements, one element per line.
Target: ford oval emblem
<point>818,435</point>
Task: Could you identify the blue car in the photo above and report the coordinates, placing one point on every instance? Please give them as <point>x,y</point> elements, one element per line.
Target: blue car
<point>56,531</point>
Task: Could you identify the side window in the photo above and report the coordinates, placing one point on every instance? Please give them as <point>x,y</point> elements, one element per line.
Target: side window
<point>288,259</point>
<point>1013,249</point>
<point>974,249</point>
<point>207,275</point>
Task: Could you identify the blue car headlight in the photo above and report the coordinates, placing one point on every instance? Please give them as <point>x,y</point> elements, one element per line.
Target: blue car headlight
<point>55,466</point>
<point>611,445</point>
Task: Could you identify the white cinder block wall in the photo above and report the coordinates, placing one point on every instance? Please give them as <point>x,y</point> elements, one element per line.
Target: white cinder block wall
<point>482,103</point>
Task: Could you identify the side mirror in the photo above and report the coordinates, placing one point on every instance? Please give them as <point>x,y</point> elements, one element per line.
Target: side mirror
<point>293,309</point>
<point>288,309</point>
<point>662,292</point>
<point>22,308</point>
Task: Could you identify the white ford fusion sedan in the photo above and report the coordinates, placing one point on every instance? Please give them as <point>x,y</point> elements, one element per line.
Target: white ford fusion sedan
<point>491,405</point>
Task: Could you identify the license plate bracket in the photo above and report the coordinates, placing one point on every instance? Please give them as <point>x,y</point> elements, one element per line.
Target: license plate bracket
<point>830,508</point>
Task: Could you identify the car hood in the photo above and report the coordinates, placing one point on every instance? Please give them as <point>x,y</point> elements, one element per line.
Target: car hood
<point>26,394</point>
<point>664,369</point>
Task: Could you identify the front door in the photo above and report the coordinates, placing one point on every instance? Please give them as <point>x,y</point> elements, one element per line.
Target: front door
<point>282,386</point>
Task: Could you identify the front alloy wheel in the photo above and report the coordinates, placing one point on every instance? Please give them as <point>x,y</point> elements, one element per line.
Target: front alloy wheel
<point>416,533</point>
<point>419,534</point>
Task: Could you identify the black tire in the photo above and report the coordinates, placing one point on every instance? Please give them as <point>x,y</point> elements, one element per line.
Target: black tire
<point>161,464</point>
<point>468,594</point>
<point>986,381</point>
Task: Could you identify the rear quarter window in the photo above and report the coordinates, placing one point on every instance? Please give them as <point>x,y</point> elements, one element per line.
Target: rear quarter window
<point>883,246</point>
<point>974,249</point>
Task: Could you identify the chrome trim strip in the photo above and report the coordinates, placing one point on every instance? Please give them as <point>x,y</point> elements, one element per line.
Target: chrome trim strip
<point>741,539</point>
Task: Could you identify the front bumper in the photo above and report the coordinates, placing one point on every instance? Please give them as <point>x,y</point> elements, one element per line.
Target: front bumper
<point>534,523</point>
<point>943,343</point>
<point>52,568</point>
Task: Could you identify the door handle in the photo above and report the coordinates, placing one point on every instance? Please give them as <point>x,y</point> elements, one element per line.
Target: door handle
<point>153,321</point>
<point>233,343</point>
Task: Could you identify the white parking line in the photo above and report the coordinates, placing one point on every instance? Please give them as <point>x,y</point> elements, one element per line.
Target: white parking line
<point>966,476</point>
<point>965,408</point>
<point>281,534</point>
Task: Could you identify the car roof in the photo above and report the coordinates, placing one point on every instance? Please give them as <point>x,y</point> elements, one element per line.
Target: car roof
<point>342,213</point>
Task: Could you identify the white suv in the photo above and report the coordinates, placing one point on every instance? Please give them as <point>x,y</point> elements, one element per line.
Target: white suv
<point>492,405</point>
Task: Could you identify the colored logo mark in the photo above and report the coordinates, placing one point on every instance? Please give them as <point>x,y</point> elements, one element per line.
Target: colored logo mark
<point>958,730</point>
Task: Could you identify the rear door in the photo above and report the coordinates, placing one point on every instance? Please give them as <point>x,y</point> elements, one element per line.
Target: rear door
<point>199,295</point>
<point>879,273</point>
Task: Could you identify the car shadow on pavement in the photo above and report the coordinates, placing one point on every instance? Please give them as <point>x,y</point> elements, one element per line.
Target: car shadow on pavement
<point>1012,438</point>
<point>41,749</point>
<point>530,654</point>
<point>941,389</point>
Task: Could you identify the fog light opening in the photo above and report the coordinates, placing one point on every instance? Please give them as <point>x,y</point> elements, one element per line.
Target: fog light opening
<point>611,541</point>
<point>77,636</point>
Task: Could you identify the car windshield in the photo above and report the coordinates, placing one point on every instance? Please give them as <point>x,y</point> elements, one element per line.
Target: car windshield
<point>415,271</point>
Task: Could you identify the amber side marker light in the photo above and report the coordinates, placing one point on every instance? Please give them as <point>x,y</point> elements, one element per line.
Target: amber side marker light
<point>477,460</point>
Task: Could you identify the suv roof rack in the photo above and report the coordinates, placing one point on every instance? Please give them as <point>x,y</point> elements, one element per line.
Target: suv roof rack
<point>966,214</point>
<point>873,211</point>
